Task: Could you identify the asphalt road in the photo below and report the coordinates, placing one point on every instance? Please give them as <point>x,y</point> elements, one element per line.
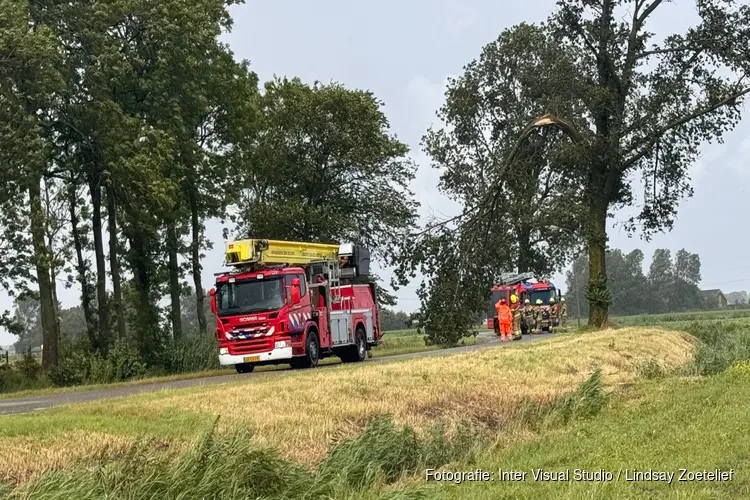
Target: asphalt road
<point>30,404</point>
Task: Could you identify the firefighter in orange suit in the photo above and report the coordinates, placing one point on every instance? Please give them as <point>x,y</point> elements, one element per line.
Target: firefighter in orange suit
<point>504,319</point>
<point>515,307</point>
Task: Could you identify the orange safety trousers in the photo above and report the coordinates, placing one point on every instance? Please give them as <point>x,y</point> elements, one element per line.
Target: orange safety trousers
<point>505,328</point>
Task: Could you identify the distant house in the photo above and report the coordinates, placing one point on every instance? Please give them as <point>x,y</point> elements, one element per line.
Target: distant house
<point>715,297</point>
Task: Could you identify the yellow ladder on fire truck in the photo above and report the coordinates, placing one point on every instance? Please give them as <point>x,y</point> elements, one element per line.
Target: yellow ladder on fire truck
<point>260,252</point>
<point>274,252</point>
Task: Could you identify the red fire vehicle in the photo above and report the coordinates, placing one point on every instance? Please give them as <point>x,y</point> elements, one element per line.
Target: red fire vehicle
<point>294,303</point>
<point>524,288</point>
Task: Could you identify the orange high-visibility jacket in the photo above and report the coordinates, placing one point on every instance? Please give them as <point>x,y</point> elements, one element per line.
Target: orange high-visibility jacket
<point>504,314</point>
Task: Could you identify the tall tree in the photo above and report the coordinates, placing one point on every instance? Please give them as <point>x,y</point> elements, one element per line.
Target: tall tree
<point>90,140</point>
<point>686,274</point>
<point>27,324</point>
<point>651,106</point>
<point>485,111</point>
<point>326,169</point>
<point>77,212</point>
<point>635,301</point>
<point>521,211</point>
<point>208,90</point>
<point>220,126</point>
<point>55,206</point>
<point>661,280</point>
<point>628,285</point>
<point>29,84</point>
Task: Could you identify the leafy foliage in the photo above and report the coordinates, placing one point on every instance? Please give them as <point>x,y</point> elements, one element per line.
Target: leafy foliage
<point>651,106</point>
<point>123,128</point>
<point>516,215</point>
<point>326,169</point>
<point>634,110</point>
<point>391,320</point>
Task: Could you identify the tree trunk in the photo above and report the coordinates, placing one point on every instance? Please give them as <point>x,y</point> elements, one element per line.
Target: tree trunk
<point>53,286</point>
<point>101,270</point>
<point>147,320</point>
<point>174,281</point>
<point>597,292</point>
<point>195,256</point>
<point>56,306</point>
<point>114,263</point>
<point>88,314</point>
<point>50,234</point>
<point>524,250</point>
<point>42,259</point>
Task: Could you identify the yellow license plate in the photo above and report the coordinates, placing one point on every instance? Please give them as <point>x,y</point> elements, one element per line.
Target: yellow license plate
<point>251,359</point>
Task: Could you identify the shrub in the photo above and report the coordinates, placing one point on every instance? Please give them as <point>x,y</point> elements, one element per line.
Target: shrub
<point>83,366</point>
<point>29,366</point>
<point>126,361</point>
<point>71,370</point>
<point>651,369</point>
<point>190,354</point>
<point>23,374</point>
<point>722,344</point>
<point>79,364</point>
<point>586,401</point>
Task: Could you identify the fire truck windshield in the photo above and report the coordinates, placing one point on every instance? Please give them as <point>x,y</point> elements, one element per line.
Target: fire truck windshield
<point>245,297</point>
<point>545,295</point>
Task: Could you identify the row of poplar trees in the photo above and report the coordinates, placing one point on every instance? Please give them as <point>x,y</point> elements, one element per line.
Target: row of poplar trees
<point>125,126</point>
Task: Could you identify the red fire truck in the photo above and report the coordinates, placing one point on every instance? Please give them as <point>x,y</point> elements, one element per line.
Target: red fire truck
<point>524,288</point>
<point>294,303</point>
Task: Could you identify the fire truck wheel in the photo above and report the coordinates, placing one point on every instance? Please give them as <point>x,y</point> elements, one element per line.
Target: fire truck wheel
<point>244,368</point>
<point>312,350</point>
<point>360,344</point>
<point>357,352</point>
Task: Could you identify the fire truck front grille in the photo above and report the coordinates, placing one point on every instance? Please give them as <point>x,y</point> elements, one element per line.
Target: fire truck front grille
<point>250,346</point>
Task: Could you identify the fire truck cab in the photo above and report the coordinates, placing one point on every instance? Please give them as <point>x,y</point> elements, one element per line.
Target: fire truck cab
<point>294,303</point>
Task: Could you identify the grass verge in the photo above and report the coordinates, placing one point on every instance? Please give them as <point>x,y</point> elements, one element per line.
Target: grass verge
<point>336,403</point>
<point>395,343</point>
<point>232,466</point>
<point>665,425</point>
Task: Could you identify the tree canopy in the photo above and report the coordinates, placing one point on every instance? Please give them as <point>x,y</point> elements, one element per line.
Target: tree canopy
<point>635,110</point>
<point>516,217</point>
<point>327,169</point>
<point>650,107</point>
<point>125,127</point>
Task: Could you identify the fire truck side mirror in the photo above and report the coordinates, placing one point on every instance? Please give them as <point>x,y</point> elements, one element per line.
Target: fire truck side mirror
<point>212,297</point>
<point>296,297</point>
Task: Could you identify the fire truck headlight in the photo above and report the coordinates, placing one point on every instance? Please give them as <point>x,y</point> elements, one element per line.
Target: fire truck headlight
<point>223,350</point>
<point>281,344</point>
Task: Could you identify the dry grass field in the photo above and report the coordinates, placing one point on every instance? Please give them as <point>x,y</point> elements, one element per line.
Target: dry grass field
<point>300,413</point>
<point>394,343</point>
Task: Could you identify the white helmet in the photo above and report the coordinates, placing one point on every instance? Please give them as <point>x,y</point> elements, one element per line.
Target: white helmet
<point>562,299</point>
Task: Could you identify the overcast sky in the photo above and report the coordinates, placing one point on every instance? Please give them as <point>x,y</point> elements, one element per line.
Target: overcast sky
<point>403,51</point>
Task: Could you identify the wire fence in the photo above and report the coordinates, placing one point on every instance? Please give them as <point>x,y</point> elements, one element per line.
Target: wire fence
<point>8,358</point>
